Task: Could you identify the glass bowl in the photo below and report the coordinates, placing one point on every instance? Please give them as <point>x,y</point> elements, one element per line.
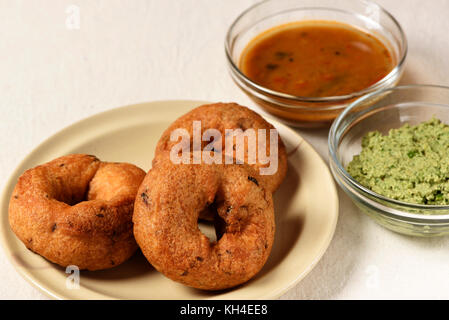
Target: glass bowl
<point>309,111</point>
<point>384,110</point>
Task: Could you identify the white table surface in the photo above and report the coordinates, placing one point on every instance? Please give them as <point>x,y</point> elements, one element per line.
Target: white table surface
<point>140,50</point>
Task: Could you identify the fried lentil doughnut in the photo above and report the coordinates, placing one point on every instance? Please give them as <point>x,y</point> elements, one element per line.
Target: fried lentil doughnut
<point>77,210</point>
<point>222,116</point>
<point>166,214</point>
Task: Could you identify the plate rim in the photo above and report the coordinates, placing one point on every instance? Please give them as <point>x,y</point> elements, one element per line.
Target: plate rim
<point>25,274</point>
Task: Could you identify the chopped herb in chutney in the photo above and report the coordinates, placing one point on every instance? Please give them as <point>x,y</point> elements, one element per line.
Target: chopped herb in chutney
<point>410,164</point>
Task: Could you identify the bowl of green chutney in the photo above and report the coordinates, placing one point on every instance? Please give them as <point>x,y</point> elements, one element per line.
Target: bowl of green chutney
<point>389,152</point>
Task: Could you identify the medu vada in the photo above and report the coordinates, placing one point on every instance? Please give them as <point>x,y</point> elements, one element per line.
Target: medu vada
<point>77,210</point>
<point>229,116</point>
<point>166,213</point>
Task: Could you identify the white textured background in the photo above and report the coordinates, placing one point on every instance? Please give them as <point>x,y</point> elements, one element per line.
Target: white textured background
<point>132,51</point>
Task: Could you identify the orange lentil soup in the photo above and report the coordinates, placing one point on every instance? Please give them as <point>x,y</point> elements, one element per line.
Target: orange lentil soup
<point>316,59</point>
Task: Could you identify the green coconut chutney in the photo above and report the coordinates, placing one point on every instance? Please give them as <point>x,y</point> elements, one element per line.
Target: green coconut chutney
<point>410,164</point>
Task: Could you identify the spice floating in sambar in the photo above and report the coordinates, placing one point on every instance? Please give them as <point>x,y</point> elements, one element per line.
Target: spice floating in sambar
<point>410,164</point>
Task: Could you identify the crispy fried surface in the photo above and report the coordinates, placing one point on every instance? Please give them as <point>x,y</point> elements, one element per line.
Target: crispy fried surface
<point>222,116</point>
<point>166,214</point>
<point>77,210</point>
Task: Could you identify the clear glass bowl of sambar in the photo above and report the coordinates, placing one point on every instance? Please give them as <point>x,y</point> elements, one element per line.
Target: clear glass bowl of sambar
<point>310,112</point>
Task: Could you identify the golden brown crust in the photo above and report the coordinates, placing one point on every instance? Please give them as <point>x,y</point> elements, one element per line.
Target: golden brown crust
<point>165,219</point>
<point>77,210</point>
<point>222,116</point>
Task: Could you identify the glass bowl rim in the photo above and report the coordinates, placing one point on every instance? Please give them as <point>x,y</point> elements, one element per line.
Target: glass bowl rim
<point>342,173</point>
<point>331,99</point>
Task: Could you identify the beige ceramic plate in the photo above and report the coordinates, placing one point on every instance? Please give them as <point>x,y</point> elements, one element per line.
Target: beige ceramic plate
<point>304,223</point>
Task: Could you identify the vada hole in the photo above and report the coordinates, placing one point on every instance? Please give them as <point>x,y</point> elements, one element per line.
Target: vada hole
<point>214,229</point>
<point>71,197</point>
<point>208,229</point>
